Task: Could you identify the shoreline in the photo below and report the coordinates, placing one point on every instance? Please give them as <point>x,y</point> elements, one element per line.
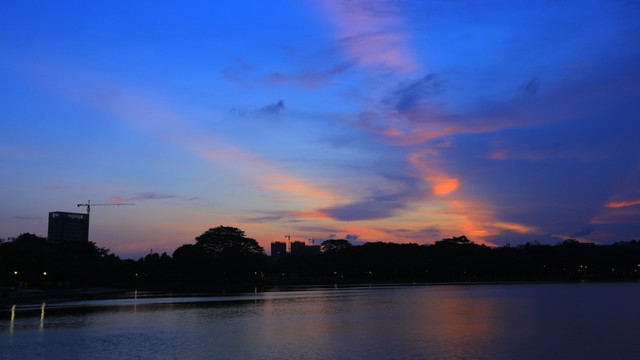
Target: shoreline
<point>38,296</point>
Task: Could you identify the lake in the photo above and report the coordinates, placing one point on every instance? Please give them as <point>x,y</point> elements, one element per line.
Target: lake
<point>484,321</point>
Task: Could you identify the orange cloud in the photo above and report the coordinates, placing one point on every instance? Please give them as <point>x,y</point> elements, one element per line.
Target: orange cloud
<point>441,183</point>
<point>619,204</point>
<point>443,186</point>
<point>617,215</point>
<point>312,214</point>
<point>290,184</point>
<point>457,216</point>
<point>523,229</point>
<point>368,233</point>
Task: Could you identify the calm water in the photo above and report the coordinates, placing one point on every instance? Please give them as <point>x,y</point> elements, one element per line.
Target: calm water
<point>532,321</point>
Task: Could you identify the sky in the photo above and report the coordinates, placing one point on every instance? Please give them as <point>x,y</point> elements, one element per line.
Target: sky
<point>396,121</point>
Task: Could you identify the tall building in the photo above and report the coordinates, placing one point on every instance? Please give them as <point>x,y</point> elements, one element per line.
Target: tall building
<point>278,249</point>
<point>66,226</point>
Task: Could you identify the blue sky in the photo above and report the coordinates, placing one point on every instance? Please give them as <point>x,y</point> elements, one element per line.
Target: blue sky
<point>403,121</point>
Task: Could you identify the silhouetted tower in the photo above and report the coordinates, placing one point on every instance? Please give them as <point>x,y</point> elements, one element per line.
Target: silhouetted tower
<point>66,226</point>
<point>278,249</point>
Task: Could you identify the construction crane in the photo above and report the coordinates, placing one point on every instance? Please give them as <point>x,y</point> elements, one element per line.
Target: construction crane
<point>89,205</point>
<point>289,236</point>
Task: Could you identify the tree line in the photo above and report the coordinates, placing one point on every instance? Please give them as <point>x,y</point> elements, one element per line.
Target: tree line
<point>224,257</point>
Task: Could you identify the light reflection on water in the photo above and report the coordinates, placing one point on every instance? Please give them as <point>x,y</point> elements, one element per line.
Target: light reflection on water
<point>527,321</point>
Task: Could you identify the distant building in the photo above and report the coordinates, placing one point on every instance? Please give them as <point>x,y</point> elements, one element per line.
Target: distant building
<point>66,226</point>
<point>297,248</point>
<point>278,249</point>
<point>300,248</point>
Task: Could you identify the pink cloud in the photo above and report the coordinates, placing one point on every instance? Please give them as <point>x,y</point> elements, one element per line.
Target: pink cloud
<point>371,33</point>
<point>116,198</point>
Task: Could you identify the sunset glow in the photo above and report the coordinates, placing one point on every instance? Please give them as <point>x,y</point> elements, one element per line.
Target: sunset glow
<point>394,121</point>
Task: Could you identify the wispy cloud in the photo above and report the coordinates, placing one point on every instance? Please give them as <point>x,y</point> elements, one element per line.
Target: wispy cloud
<point>620,204</point>
<point>583,232</point>
<point>150,196</point>
<point>408,95</point>
<point>619,215</point>
<point>274,108</point>
<point>270,216</point>
<point>142,112</point>
<point>531,87</point>
<point>239,73</point>
<point>426,161</point>
<point>365,210</point>
<point>409,112</point>
<point>372,34</point>
<point>309,78</point>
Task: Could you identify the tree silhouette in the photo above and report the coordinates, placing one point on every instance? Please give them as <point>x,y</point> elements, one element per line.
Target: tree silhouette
<point>191,263</point>
<point>334,245</point>
<point>456,240</point>
<point>227,240</point>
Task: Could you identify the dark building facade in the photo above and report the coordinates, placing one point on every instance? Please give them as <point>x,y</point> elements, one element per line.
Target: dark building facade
<point>300,248</point>
<point>278,249</point>
<point>66,226</point>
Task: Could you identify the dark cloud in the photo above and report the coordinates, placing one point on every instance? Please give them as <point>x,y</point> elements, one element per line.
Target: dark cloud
<point>151,196</point>
<point>351,237</point>
<point>427,235</point>
<point>431,233</point>
<point>382,204</point>
<point>407,95</point>
<point>269,216</point>
<point>366,210</point>
<point>583,232</point>
<point>274,108</point>
<point>531,87</point>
